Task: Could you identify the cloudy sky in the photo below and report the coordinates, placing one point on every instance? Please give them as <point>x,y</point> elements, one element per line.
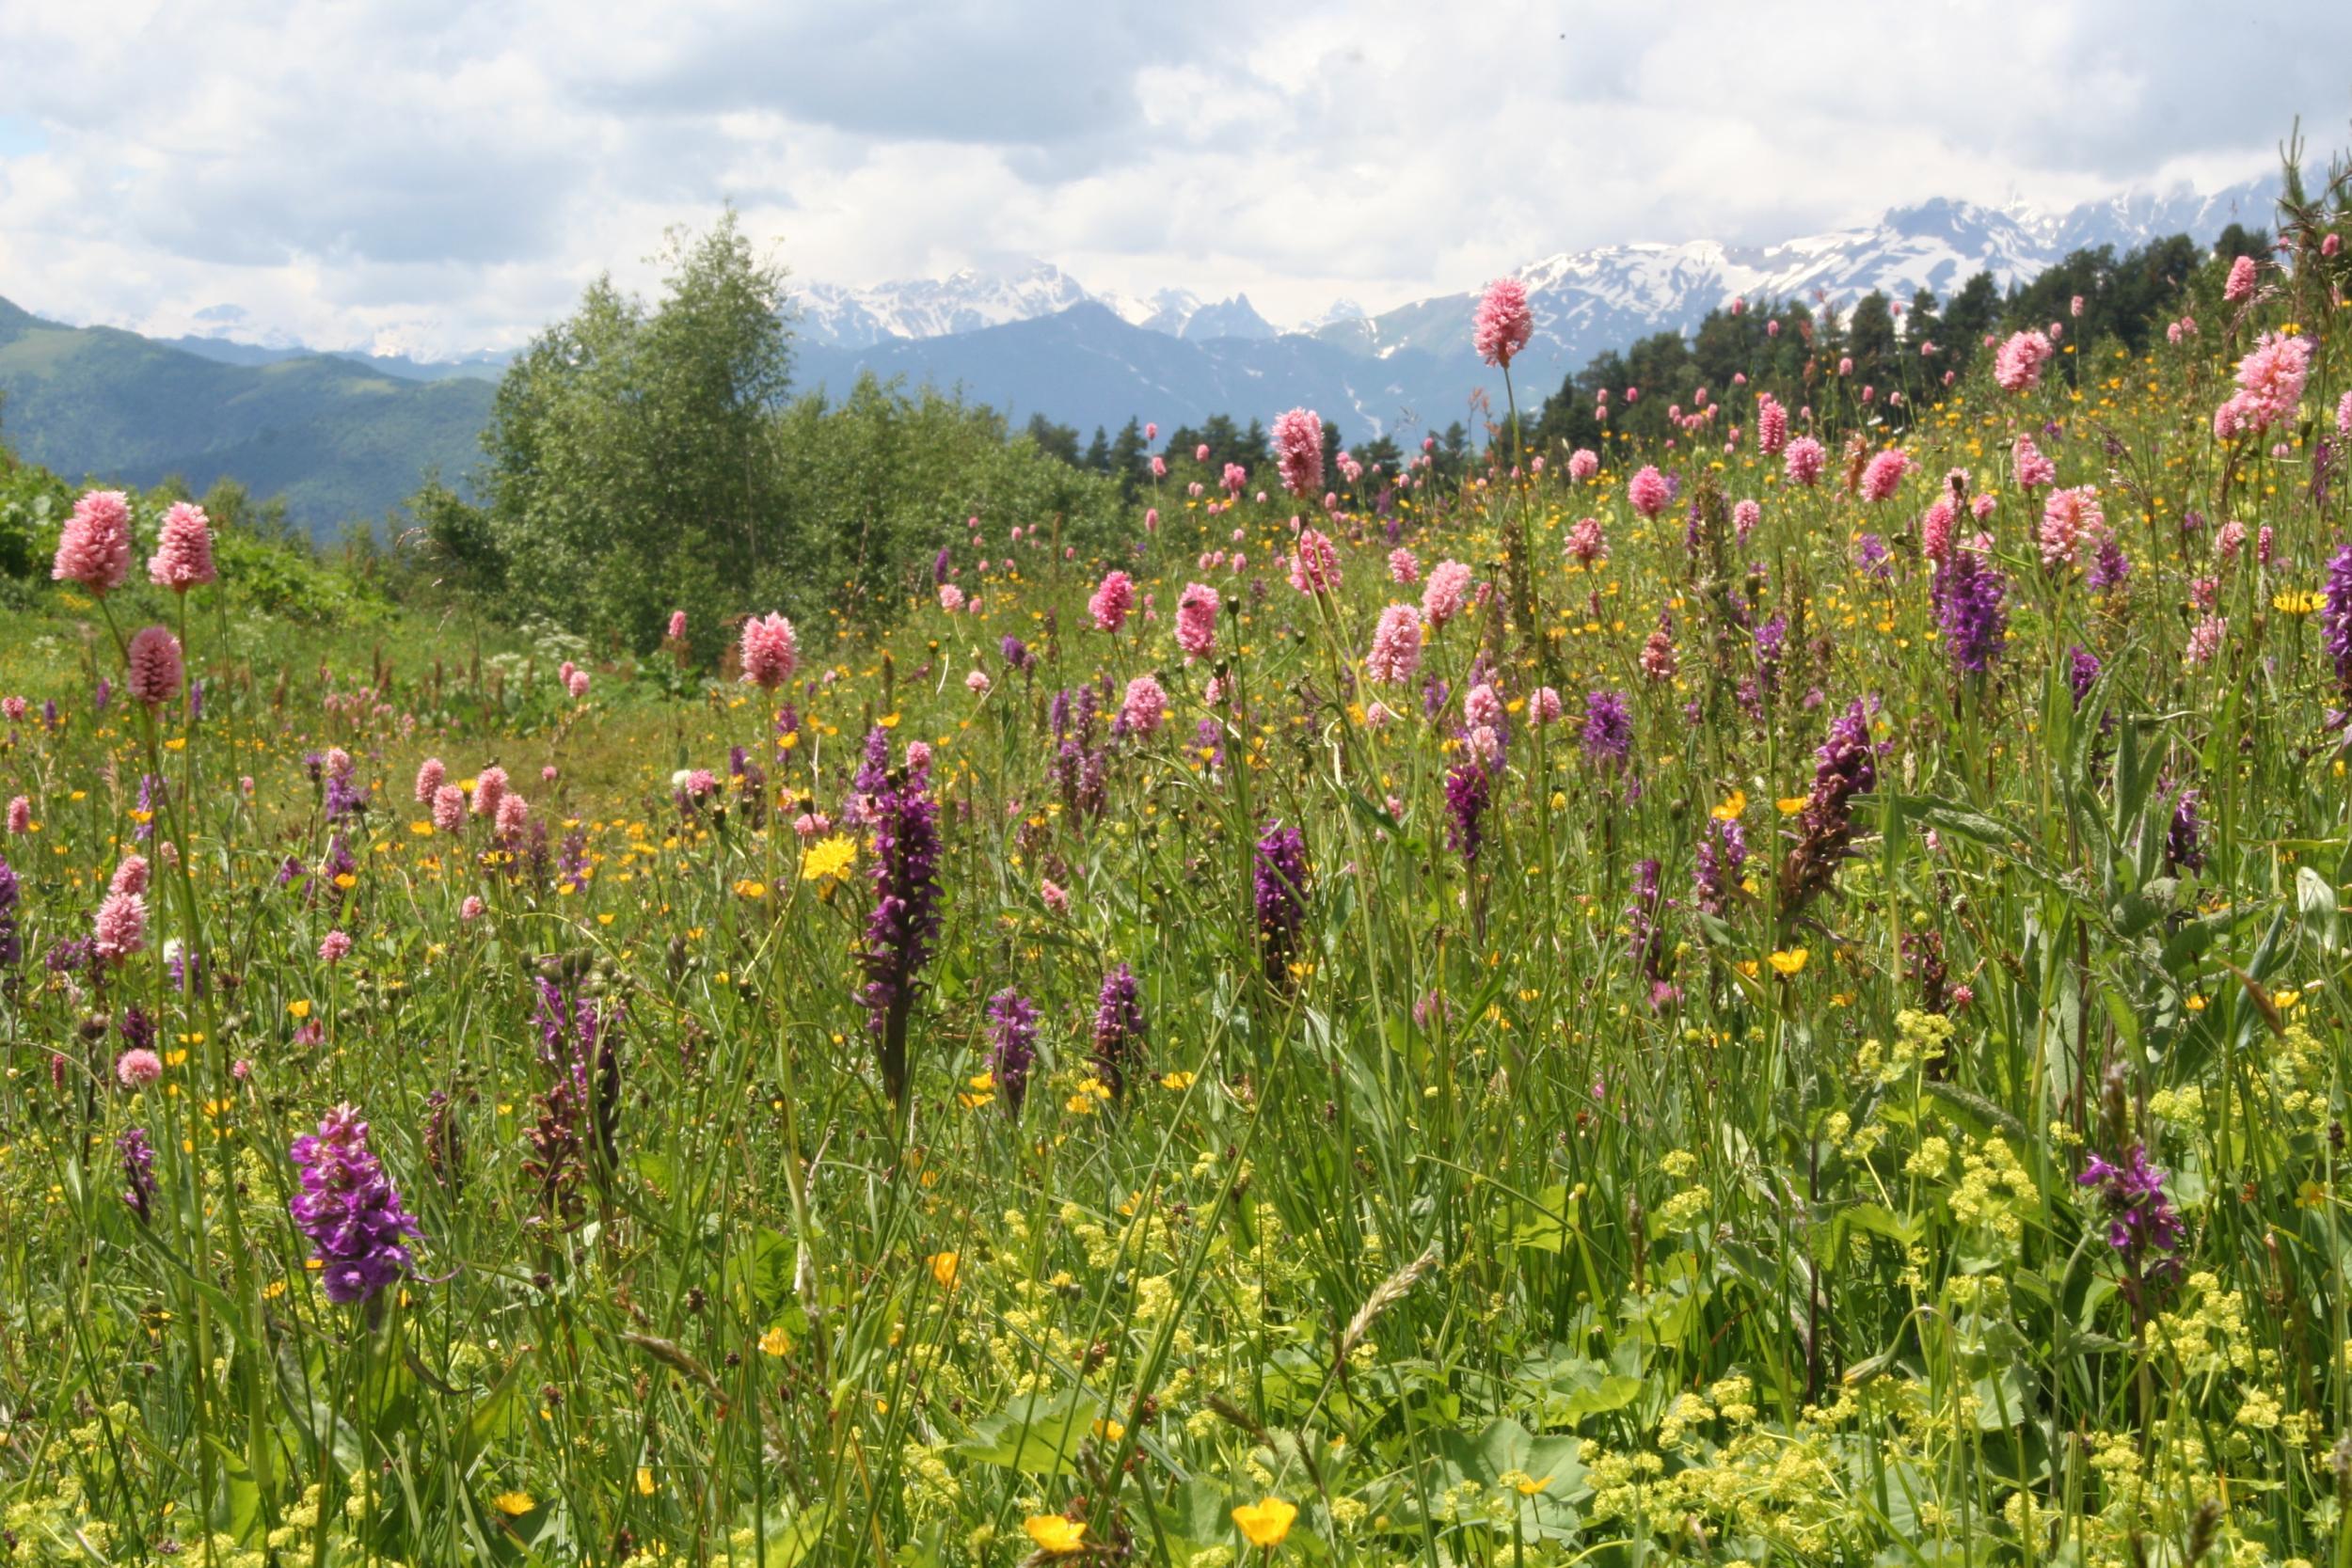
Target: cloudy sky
<point>440,175</point>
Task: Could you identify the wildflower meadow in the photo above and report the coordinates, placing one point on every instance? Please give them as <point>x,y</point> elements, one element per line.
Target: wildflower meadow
<point>1767,994</point>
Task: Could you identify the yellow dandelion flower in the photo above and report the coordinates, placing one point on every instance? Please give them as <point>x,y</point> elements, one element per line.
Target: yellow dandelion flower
<point>944,1269</point>
<point>830,857</point>
<point>513,1504</point>
<point>1789,962</point>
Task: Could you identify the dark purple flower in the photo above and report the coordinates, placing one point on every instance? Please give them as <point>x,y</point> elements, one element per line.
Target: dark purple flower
<point>1721,856</point>
<point>1015,654</point>
<point>1012,1045</point>
<point>1968,592</point>
<point>905,921</point>
<point>1870,557</point>
<point>138,1172</point>
<point>1281,898</point>
<point>12,944</point>
<point>939,563</point>
<point>349,1210</point>
<point>1607,728</point>
<point>2181,848</point>
<point>1466,790</point>
<point>2335,618</point>
<point>1119,1027</point>
<point>2143,1228</point>
<point>137,1030</point>
<point>2082,672</point>
<point>1772,644</point>
<point>1844,768</point>
<point>2108,568</point>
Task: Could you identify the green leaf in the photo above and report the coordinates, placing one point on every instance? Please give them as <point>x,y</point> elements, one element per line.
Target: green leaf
<point>1037,1434</point>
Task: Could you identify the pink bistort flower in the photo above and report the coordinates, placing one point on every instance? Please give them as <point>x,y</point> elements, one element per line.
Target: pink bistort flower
<point>183,551</point>
<point>94,549</point>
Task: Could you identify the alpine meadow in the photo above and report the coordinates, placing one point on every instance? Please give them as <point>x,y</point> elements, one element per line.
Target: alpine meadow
<point>1739,960</point>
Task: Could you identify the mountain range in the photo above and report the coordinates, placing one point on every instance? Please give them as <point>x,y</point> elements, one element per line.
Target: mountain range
<point>345,435</point>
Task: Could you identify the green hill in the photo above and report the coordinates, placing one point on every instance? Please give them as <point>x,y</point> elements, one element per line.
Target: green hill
<point>339,441</point>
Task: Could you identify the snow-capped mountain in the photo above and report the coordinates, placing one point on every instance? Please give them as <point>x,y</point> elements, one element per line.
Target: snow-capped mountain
<point>1589,301</point>
<point>963,301</point>
<point>1586,301</point>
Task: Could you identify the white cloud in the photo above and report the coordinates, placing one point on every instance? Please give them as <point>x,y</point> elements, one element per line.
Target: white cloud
<point>445,174</point>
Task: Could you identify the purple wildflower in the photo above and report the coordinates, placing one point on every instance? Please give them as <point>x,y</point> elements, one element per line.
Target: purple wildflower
<point>349,1210</point>
<point>1015,654</point>
<point>905,921</point>
<point>1281,898</point>
<point>2082,672</point>
<point>1870,557</point>
<point>1119,1028</point>
<point>1607,728</point>
<point>1721,856</point>
<point>138,1172</point>
<point>1969,593</point>
<point>2108,568</point>
<point>1466,790</point>
<point>2335,617</point>
<point>1011,1046</point>
<point>12,944</point>
<point>2182,850</point>
<point>2143,1228</point>
<point>1845,767</point>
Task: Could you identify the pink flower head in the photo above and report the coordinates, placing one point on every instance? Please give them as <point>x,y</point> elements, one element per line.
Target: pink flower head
<point>2270,384</point>
<point>514,815</point>
<point>1744,516</point>
<point>2343,415</point>
<point>1545,706</point>
<point>1935,530</point>
<point>1441,600</point>
<point>130,876</point>
<point>137,1068</point>
<point>2072,525</point>
<point>19,815</point>
<point>183,549</point>
<point>1404,566</point>
<point>2206,638</point>
<point>1395,646</point>
<point>2241,284</point>
<point>335,947</point>
<point>2033,469</point>
<point>577,684</point>
<point>1772,425</point>
<point>95,547</point>
<point>1112,599</point>
<point>1298,450</point>
<point>1196,620</point>
<point>449,808</point>
<point>1587,543</point>
<point>1056,897</point>
<point>490,788</point>
<point>678,625</point>
<point>950,598</point>
<point>1145,703</point>
<point>1648,491</point>
<point>2075,308</point>
<point>120,929</point>
<point>153,668</point>
<point>1483,706</point>
<point>1583,464</point>
<point>431,775</point>
<point>2017,365</point>
<point>1805,460</point>
<point>771,651</point>
<point>1314,563</point>
<point>977,683</point>
<point>1503,322</point>
<point>470,910</point>
<point>1885,475</point>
